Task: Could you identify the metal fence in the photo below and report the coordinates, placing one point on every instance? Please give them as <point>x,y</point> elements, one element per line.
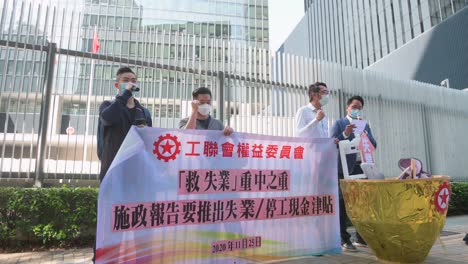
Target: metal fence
<point>51,86</point>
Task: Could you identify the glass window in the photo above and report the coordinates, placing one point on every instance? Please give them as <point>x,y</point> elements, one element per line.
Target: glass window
<point>135,23</point>
<point>86,20</point>
<point>93,20</point>
<point>19,67</point>
<point>182,28</point>
<point>37,68</point>
<point>109,46</point>
<point>166,51</point>
<point>172,51</point>
<point>150,50</point>
<point>140,49</point>
<point>190,28</point>
<point>110,22</point>
<point>102,21</point>
<point>149,74</point>
<point>118,22</point>
<point>258,12</point>
<point>226,30</point>
<point>84,70</point>
<point>125,47</point>
<point>218,30</point>
<point>158,74</point>
<point>117,46</point>
<point>252,11</point>
<point>98,71</point>
<point>127,23</point>
<point>196,29</point>
<point>158,51</point>
<point>259,34</point>
<point>252,33</point>
<point>204,29</point>
<point>212,30</point>
<point>203,52</point>
<point>133,47</point>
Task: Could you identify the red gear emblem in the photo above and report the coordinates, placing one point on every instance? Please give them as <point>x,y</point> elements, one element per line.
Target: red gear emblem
<point>168,150</point>
<point>442,197</point>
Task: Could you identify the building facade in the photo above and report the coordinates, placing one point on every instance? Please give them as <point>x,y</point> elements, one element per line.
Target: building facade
<point>163,31</point>
<point>203,35</point>
<point>359,33</point>
<point>438,56</point>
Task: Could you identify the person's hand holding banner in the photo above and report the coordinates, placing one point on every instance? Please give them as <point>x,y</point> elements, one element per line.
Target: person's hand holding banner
<point>193,196</point>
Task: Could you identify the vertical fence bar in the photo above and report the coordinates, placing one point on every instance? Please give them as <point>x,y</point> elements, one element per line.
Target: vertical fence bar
<point>220,86</point>
<point>44,117</point>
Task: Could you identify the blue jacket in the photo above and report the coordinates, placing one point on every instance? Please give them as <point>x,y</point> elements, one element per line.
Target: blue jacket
<point>337,132</point>
<point>113,125</point>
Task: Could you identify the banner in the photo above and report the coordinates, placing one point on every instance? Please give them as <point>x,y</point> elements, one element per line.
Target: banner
<point>193,196</point>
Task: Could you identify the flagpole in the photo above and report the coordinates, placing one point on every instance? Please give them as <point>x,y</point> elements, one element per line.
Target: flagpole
<point>88,102</point>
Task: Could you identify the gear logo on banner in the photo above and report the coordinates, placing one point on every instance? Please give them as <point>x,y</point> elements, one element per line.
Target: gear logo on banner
<point>167,147</point>
<point>442,197</point>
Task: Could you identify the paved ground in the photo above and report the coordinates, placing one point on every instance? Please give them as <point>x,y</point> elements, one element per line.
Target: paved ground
<point>450,249</point>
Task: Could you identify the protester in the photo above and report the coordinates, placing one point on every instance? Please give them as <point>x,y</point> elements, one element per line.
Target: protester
<point>200,117</point>
<point>343,130</point>
<point>117,116</point>
<point>311,121</point>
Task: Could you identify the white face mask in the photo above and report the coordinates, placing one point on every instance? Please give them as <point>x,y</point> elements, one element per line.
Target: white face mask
<point>324,100</point>
<point>355,114</point>
<point>204,109</point>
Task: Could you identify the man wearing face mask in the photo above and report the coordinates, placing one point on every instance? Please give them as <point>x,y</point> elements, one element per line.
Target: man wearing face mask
<point>117,116</point>
<point>200,117</point>
<point>343,130</point>
<point>311,121</point>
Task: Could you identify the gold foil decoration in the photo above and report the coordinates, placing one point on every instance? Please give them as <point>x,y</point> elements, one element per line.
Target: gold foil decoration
<point>399,219</point>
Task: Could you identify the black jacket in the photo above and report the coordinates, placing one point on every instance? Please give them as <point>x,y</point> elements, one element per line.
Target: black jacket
<point>115,119</point>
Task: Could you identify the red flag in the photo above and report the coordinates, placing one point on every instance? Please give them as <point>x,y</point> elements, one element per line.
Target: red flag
<point>96,44</point>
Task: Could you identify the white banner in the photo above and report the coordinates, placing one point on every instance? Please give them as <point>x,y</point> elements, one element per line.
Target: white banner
<point>192,196</point>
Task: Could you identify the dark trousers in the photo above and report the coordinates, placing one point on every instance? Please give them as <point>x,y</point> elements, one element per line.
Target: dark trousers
<point>345,236</point>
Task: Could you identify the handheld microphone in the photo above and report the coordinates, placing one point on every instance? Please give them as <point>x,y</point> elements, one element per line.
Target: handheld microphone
<point>135,88</point>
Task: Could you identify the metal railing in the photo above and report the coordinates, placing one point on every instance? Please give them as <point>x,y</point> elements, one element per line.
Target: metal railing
<point>49,96</point>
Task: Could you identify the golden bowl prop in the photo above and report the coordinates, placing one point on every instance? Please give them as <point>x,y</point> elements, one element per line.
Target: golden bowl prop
<point>399,219</point>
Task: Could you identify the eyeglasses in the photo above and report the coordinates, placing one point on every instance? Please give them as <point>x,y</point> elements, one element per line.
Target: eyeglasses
<point>325,92</point>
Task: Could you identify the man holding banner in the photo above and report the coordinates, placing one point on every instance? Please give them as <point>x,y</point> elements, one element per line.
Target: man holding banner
<point>196,196</point>
<point>343,130</point>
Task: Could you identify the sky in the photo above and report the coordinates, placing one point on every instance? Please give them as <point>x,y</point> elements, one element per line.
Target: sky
<point>284,16</point>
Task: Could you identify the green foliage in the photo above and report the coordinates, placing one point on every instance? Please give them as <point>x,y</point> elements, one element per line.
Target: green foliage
<point>67,216</point>
<point>48,216</point>
<point>459,200</point>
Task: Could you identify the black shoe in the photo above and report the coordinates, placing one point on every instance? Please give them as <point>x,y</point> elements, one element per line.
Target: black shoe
<point>348,246</point>
<point>359,242</point>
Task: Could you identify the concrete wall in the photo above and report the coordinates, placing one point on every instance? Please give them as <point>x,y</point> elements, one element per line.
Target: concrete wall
<point>436,55</point>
